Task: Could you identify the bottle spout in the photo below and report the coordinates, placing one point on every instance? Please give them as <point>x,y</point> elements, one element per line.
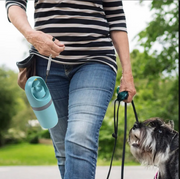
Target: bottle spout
<point>38,89</point>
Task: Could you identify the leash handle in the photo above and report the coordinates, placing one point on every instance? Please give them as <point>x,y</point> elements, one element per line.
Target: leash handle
<point>122,95</point>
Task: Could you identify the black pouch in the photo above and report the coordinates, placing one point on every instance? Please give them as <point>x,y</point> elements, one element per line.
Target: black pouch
<point>27,68</point>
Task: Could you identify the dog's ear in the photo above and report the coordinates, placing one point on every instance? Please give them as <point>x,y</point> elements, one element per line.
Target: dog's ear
<point>171,124</point>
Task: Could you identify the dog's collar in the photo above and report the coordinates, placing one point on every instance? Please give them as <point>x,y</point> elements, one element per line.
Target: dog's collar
<point>156,176</point>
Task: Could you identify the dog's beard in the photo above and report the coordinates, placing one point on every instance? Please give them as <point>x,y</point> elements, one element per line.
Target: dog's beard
<point>156,143</point>
<point>143,146</point>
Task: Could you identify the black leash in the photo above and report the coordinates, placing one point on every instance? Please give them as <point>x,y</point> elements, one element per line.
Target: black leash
<point>121,96</point>
<point>114,134</point>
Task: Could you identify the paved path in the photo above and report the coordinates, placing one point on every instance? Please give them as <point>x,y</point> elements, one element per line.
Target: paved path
<point>51,172</point>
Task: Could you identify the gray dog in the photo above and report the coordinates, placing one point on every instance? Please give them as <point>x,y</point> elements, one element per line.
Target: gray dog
<point>154,142</point>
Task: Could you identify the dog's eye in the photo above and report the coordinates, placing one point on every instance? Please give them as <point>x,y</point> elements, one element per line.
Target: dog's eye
<point>152,124</point>
<point>160,131</point>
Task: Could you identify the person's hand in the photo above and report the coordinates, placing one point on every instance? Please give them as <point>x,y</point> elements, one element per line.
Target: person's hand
<point>127,84</point>
<point>44,43</point>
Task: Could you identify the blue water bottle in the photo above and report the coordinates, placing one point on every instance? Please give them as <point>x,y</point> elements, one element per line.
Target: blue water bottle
<point>41,102</point>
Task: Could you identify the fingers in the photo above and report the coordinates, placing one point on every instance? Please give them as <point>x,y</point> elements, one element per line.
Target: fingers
<point>46,44</point>
<point>56,48</point>
<point>127,84</point>
<point>58,43</point>
<point>130,97</point>
<point>131,94</point>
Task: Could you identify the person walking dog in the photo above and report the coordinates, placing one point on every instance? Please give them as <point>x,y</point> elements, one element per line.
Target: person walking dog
<point>82,37</point>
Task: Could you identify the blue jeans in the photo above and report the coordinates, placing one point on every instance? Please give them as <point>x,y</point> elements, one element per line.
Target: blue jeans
<point>81,94</point>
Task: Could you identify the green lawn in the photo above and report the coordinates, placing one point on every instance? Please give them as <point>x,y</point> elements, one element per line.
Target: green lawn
<point>27,154</point>
<point>36,154</point>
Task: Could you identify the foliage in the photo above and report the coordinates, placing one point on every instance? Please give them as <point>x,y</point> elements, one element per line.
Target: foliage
<point>36,133</point>
<point>157,67</point>
<point>160,38</point>
<point>8,100</point>
<point>158,96</point>
<point>13,136</point>
<point>15,110</point>
<point>45,134</point>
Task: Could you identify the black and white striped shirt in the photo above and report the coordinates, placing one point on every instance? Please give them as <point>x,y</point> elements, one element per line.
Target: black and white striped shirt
<point>82,25</point>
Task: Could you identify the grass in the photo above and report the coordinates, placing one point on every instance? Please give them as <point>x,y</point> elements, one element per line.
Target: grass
<point>27,154</point>
<point>36,154</point>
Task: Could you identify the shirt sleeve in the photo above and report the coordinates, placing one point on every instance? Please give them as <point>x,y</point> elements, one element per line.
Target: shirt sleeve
<point>20,3</point>
<point>115,15</point>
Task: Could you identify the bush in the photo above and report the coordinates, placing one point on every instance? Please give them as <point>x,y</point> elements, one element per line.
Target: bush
<point>34,135</point>
<point>44,134</point>
<point>14,136</point>
<point>33,139</point>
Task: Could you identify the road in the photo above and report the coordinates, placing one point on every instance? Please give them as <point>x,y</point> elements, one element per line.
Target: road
<point>51,172</point>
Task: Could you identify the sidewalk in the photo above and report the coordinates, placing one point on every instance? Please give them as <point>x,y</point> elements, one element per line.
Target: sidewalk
<point>51,172</point>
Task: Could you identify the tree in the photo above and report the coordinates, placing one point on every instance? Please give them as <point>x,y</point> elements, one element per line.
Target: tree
<point>157,66</point>
<point>160,38</point>
<point>15,111</point>
<point>157,96</point>
<point>7,101</point>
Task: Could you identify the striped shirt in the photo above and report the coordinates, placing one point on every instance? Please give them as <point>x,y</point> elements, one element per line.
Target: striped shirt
<point>83,26</point>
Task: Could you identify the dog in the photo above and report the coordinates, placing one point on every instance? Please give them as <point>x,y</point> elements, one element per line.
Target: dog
<point>154,142</point>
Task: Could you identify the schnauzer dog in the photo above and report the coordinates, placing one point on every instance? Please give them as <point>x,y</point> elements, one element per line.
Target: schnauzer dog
<point>154,142</point>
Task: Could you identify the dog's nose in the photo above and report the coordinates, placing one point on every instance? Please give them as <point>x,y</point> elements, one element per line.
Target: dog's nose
<point>136,125</point>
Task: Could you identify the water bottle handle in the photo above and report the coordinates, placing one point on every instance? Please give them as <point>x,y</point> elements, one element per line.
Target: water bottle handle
<point>122,95</point>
